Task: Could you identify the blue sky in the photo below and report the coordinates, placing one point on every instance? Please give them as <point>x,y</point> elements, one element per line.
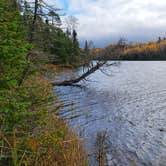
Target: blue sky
<point>65,5</point>
<point>105,21</point>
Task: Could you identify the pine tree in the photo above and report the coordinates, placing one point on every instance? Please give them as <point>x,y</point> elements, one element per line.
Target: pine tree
<point>76,55</point>
<point>13,50</point>
<point>13,46</point>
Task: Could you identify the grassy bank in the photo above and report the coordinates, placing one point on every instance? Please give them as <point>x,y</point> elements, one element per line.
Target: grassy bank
<point>35,136</point>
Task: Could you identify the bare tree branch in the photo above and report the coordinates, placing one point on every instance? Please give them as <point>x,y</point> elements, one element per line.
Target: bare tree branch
<point>83,76</point>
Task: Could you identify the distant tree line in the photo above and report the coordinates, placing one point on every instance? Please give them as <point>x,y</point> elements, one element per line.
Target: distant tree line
<point>155,50</point>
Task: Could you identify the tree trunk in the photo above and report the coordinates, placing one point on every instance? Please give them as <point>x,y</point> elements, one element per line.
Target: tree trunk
<point>82,77</point>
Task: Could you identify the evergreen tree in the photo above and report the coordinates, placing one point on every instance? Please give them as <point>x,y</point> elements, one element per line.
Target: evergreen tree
<point>13,46</point>
<point>86,48</point>
<point>76,54</point>
<point>13,50</point>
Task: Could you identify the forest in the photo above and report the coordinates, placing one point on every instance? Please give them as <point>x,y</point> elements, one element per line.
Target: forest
<point>31,40</point>
<point>148,51</point>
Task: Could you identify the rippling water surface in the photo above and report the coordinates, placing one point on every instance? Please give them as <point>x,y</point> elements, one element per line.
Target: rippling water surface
<point>130,105</point>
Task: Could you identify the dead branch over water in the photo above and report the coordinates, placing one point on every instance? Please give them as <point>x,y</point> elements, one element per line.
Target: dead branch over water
<point>84,75</point>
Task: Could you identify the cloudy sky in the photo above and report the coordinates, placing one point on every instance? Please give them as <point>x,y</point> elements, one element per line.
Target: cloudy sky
<point>105,21</point>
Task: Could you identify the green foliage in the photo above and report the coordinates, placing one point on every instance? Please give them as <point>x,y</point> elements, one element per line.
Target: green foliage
<point>57,43</point>
<point>30,133</point>
<point>61,47</point>
<point>13,47</point>
<point>76,54</point>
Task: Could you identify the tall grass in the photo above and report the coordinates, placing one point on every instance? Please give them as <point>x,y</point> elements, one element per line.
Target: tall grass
<point>40,138</point>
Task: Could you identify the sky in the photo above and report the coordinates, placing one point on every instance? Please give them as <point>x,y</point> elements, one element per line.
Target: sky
<point>105,21</point>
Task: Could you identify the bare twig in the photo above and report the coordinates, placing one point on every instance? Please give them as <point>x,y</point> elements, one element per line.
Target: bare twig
<point>83,76</point>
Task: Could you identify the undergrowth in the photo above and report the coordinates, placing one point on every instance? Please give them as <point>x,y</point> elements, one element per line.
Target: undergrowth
<point>35,136</point>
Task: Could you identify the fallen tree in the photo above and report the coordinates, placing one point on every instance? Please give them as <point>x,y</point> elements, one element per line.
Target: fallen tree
<point>91,70</point>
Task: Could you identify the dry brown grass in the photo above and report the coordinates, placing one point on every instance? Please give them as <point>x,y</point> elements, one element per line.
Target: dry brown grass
<point>41,139</point>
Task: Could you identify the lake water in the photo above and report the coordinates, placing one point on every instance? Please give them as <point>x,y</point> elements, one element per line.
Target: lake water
<point>129,106</point>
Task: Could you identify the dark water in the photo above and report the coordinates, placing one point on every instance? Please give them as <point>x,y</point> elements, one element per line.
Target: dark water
<point>129,105</point>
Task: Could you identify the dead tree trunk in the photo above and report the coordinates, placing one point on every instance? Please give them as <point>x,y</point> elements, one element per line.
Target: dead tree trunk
<point>82,77</point>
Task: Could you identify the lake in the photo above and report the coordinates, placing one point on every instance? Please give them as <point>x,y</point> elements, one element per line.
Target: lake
<point>129,106</point>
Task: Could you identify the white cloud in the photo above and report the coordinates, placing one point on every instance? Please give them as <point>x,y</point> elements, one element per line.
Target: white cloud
<point>55,3</point>
<point>108,20</point>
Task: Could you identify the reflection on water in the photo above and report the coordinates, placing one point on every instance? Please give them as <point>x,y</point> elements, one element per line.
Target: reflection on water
<point>130,105</point>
